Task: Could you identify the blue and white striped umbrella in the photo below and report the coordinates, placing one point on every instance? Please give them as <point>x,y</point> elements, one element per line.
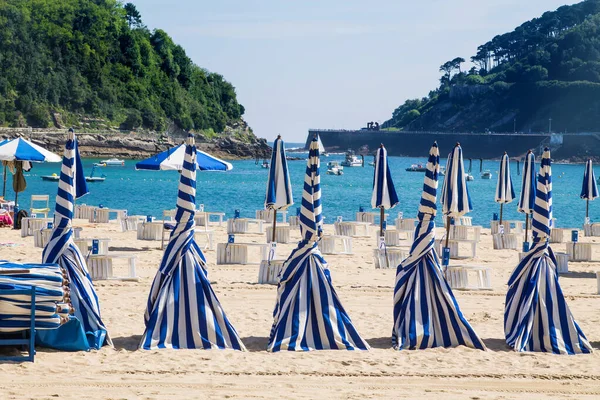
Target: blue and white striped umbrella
<point>384,193</point>
<point>173,159</point>
<point>455,198</point>
<point>279,187</point>
<point>536,315</point>
<point>505,193</point>
<point>61,249</point>
<point>308,314</point>
<point>426,313</point>
<point>589,189</point>
<point>183,311</point>
<point>527,197</point>
<point>20,149</point>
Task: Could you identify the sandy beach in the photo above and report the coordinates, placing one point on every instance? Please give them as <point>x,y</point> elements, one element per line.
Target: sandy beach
<point>124,372</point>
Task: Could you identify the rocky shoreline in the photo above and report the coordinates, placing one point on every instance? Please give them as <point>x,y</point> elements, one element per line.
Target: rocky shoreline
<point>230,145</point>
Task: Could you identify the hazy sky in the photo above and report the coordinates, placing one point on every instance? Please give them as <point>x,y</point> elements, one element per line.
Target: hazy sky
<point>331,63</point>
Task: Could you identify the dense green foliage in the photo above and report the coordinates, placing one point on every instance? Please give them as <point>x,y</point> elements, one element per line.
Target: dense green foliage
<point>96,59</point>
<point>548,67</point>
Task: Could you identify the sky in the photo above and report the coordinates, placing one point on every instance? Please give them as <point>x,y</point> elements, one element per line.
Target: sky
<point>331,64</point>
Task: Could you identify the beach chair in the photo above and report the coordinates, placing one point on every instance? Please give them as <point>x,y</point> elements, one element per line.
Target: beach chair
<point>458,277</point>
<point>43,199</point>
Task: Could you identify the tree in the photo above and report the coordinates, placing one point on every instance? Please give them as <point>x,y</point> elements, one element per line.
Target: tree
<point>133,16</point>
<point>457,62</point>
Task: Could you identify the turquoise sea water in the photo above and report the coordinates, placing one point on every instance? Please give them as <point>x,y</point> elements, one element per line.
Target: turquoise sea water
<point>150,192</point>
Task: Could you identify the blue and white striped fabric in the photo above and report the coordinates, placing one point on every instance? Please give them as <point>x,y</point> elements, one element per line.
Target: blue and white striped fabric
<point>61,250</point>
<point>589,190</point>
<point>536,315</point>
<point>308,314</point>
<point>527,197</point>
<point>505,193</point>
<point>384,193</point>
<point>183,311</point>
<point>455,198</point>
<point>426,313</point>
<point>173,159</point>
<point>20,149</point>
<point>279,187</point>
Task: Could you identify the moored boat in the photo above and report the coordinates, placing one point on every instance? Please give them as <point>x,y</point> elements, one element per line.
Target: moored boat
<point>487,174</point>
<point>351,160</point>
<point>333,168</point>
<point>112,162</point>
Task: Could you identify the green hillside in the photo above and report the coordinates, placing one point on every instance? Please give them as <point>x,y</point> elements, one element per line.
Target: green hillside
<point>543,75</point>
<point>95,60</point>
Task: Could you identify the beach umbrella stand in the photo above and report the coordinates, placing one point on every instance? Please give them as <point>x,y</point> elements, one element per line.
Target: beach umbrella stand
<point>279,188</point>
<point>505,192</point>
<point>527,196</point>
<point>384,194</point>
<point>589,189</point>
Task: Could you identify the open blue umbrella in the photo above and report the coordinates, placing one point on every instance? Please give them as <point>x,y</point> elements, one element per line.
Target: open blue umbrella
<point>173,159</point>
<point>455,197</point>
<point>505,193</point>
<point>527,196</point>
<point>61,249</point>
<point>279,187</point>
<point>384,194</point>
<point>183,311</point>
<point>308,314</point>
<point>589,190</point>
<point>536,315</point>
<point>426,313</point>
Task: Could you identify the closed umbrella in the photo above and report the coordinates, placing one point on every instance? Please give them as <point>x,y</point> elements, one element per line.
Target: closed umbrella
<point>308,313</point>
<point>62,250</point>
<point>589,190</point>
<point>183,311</point>
<point>455,197</point>
<point>536,314</point>
<point>279,188</point>
<point>426,313</point>
<point>527,197</point>
<point>505,193</point>
<point>172,160</point>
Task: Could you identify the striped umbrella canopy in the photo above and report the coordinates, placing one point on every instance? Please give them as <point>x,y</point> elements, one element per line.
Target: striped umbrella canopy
<point>426,313</point>
<point>61,249</point>
<point>528,183</point>
<point>173,159</point>
<point>455,197</point>
<point>384,194</point>
<point>308,313</point>
<point>279,187</point>
<point>21,149</point>
<point>183,311</point>
<point>536,315</point>
<point>505,193</point>
<point>589,189</point>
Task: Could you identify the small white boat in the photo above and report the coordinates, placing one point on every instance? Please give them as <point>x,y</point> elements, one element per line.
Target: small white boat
<point>486,174</point>
<point>469,177</point>
<point>51,178</point>
<point>265,164</point>
<point>442,171</point>
<point>333,168</point>
<point>112,162</point>
<point>416,168</point>
<point>352,160</point>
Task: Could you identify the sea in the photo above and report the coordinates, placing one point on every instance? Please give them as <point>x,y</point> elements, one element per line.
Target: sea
<point>243,189</point>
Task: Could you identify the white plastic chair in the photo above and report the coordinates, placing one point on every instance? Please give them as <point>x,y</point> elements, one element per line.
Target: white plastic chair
<point>40,198</point>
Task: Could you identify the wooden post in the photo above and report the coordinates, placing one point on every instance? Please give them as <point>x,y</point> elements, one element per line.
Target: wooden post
<point>274,224</point>
<point>526,226</point>
<point>501,208</point>
<point>447,230</point>
<point>587,208</point>
<point>4,186</point>
<point>381,218</point>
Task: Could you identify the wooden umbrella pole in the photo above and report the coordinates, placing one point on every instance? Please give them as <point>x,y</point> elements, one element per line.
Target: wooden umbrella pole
<point>381,217</point>
<point>501,208</point>
<point>587,208</point>
<point>526,226</point>
<point>447,230</point>
<point>274,224</point>
<point>4,185</point>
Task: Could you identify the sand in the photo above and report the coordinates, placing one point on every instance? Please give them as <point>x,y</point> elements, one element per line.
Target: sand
<point>124,372</point>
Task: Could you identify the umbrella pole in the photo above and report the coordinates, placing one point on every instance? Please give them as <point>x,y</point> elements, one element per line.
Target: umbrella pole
<point>4,185</point>
<point>526,226</point>
<point>447,230</point>
<point>587,207</point>
<point>274,225</point>
<point>381,217</point>
<point>501,208</point>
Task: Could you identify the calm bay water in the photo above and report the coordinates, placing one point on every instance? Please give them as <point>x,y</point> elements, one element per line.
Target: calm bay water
<point>243,188</point>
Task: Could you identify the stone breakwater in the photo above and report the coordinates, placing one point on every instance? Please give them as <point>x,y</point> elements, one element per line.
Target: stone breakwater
<point>134,145</point>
